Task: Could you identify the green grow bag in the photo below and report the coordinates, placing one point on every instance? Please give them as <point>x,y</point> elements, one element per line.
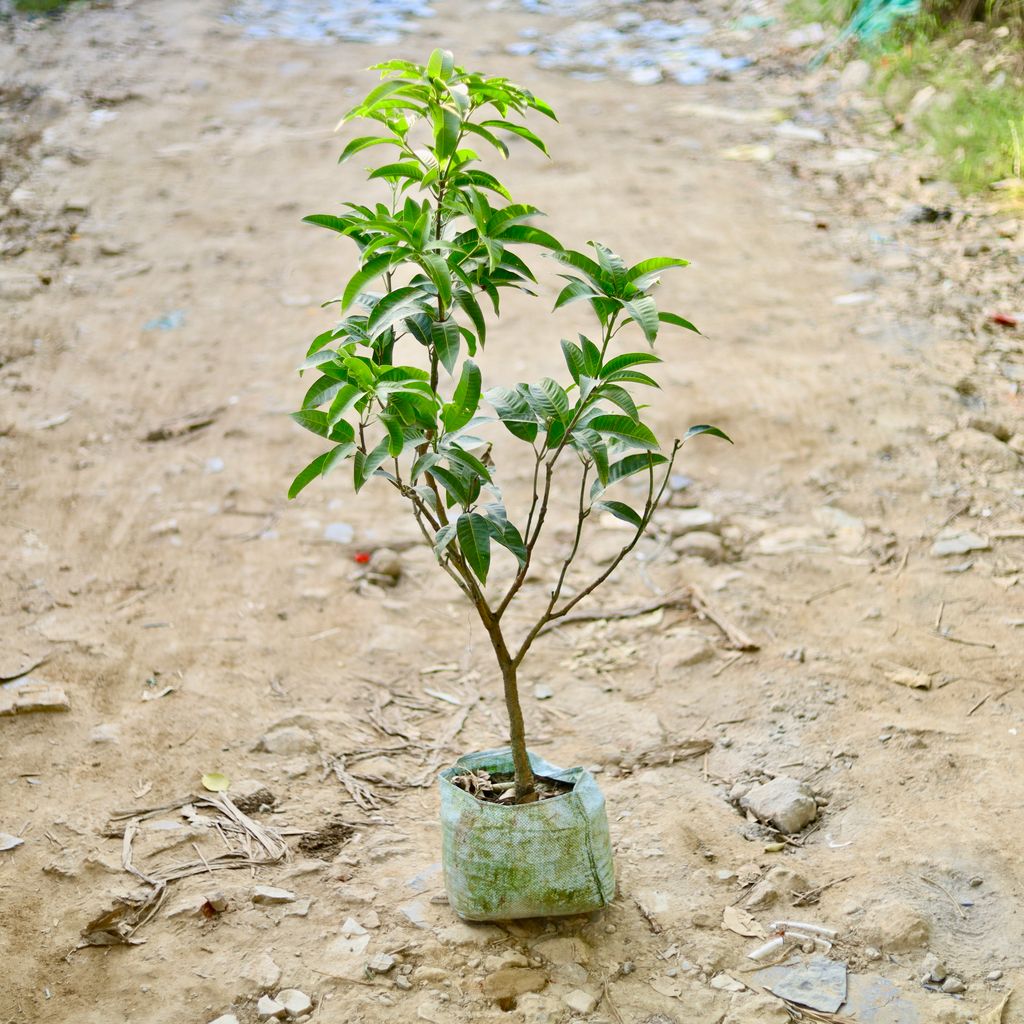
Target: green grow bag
<point>530,860</point>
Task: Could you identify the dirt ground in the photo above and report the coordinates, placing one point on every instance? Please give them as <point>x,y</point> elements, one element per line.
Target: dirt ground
<point>166,281</point>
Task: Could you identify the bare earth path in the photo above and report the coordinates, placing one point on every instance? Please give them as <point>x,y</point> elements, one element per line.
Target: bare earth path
<point>139,565</point>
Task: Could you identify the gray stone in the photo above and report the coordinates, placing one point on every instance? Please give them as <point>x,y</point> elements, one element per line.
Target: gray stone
<point>958,542</point>
<point>953,985</point>
<point>932,969</point>
<point>687,520</point>
<point>381,963</point>
<point>993,975</point>
<point>261,971</point>
<point>785,803</point>
<point>270,895</point>
<point>386,564</point>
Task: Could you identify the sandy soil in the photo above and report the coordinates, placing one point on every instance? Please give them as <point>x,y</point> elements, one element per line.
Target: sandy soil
<point>139,565</point>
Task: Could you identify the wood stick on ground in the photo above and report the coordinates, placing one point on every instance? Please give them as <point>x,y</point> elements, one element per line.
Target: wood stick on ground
<point>652,922</point>
<point>952,899</point>
<point>738,640</point>
<point>598,615</point>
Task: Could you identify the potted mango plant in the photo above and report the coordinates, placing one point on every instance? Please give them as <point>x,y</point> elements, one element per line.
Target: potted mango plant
<point>400,399</point>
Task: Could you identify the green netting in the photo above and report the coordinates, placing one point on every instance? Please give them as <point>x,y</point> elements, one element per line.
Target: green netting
<point>543,859</point>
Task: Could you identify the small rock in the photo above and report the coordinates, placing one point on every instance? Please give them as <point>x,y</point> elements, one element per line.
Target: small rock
<point>288,739</point>
<point>958,542</point>
<point>689,520</point>
<point>784,802</point>
<point>932,969</point>
<point>780,883</point>
<point>855,76</point>
<point>227,1018</point>
<point>580,1001</point>
<point>381,963</point>
<point>414,913</point>
<point>727,983</point>
<point>269,895</point>
<point>563,951</point>
<point>699,544</point>
<point>953,985</point>
<point>29,695</point>
<point>513,981</point>
<point>339,533</point>
<point>295,1001</point>
<point>895,928</point>
<point>352,927</point>
<point>217,902</point>
<point>542,692</point>
<point>403,983</point>
<point>262,972</point>
<point>430,975</point>
<point>993,975</point>
<point>387,564</point>
<point>267,1008</point>
<point>105,733</point>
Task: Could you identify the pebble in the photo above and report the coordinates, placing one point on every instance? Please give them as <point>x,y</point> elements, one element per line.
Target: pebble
<point>580,1001</point>
<point>784,802</point>
<point>414,913</point>
<point>542,692</point>
<point>855,76</point>
<point>266,1007</point>
<point>727,983</point>
<point>262,971</point>
<point>386,564</point>
<point>958,542</point>
<point>953,985</point>
<point>105,733</point>
<point>268,894</point>
<point>295,1001</point>
<point>687,520</point>
<point>932,969</point>
<point>561,951</point>
<point>993,975</point>
<point>381,963</point>
<point>403,983</point>
<point>287,739</point>
<point>699,544</point>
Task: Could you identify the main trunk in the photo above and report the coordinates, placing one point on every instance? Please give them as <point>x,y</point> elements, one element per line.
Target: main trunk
<point>525,788</point>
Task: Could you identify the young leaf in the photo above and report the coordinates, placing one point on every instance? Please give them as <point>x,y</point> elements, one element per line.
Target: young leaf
<point>312,419</point>
<point>628,359</point>
<point>549,401</point>
<point>395,306</point>
<point>441,64</point>
<point>364,142</point>
<point>573,359</point>
<point>443,538</point>
<point>517,129</point>
<point>646,272</point>
<point>364,466</point>
<point>705,428</point>
<point>467,301</point>
<point>362,277</point>
<point>474,534</point>
<point>404,169</point>
<point>509,538</point>
<point>447,127</point>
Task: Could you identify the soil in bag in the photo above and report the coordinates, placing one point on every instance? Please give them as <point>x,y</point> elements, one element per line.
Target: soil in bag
<point>500,787</point>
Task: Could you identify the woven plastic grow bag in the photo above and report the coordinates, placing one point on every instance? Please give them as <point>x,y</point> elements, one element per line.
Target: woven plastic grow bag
<point>543,859</point>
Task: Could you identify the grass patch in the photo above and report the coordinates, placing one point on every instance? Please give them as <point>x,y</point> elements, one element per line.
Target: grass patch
<point>974,123</point>
<point>42,6</point>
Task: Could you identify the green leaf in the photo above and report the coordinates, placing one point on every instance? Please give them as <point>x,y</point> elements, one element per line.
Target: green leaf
<point>364,142</point>
<point>465,463</point>
<point>396,436</point>
<point>573,359</point>
<point>402,169</point>
<point>346,396</point>
<point>644,311</point>
<point>395,306</point>
<point>447,127</point>
<point>628,359</point>
<point>626,430</point>
<point>364,466</point>
<point>312,419</point>
<point>622,398</point>
<point>462,408</point>
<point>644,273</point>
<point>321,391</point>
<point>482,179</point>
<point>337,454</point>
<point>329,221</point>
<point>453,483</point>
<point>549,401</point>
<point>310,473</point>
<point>677,321</point>
<point>581,262</point>
<point>362,277</point>
<point>514,411</point>
<point>632,377</point>
<point>438,272</point>
<point>441,64</point>
<point>372,98</point>
<point>633,464</point>
<point>443,538</point>
<point>509,538</point>
<point>573,291</point>
<point>444,336</point>
<point>467,301</point>
<point>589,442</point>
<point>490,137</point>
<point>612,265</point>
<point>620,510</point>
<point>530,235</point>
<point>592,356</point>
<point>704,428</point>
<point>517,129</point>
<point>474,535</point>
